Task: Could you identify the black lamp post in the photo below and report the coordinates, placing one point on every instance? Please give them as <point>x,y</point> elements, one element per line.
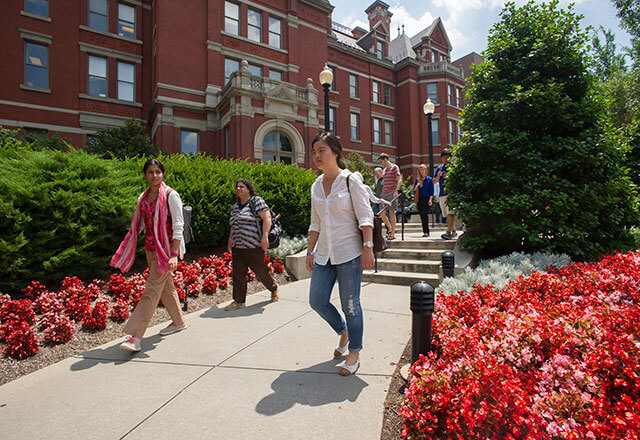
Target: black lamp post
<point>428,109</point>
<point>326,78</point>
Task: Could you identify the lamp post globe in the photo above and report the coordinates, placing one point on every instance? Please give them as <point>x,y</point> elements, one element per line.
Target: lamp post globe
<point>428,108</point>
<point>326,78</point>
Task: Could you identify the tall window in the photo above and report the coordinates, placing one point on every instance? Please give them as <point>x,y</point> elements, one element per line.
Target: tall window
<point>275,32</point>
<point>379,49</point>
<point>333,81</point>
<point>387,94</point>
<point>459,98</point>
<point>376,91</point>
<point>254,25</point>
<point>188,142</point>
<point>275,74</point>
<point>97,76</point>
<point>98,15</point>
<point>432,92</point>
<point>277,148</point>
<point>37,7</point>
<point>387,133</point>
<point>232,18</point>
<point>355,126</point>
<point>36,69</point>
<point>435,57</point>
<point>255,70</point>
<point>230,66</point>
<point>451,95</point>
<point>126,81</point>
<point>126,21</point>
<point>452,132</point>
<point>377,135</point>
<point>434,131</point>
<point>353,86</point>
<point>332,120</point>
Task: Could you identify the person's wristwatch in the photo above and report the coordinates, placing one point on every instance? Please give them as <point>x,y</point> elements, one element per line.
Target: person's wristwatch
<point>368,244</point>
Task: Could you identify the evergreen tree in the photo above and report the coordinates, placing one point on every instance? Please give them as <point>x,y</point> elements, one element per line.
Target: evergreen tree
<point>537,169</point>
<point>120,142</point>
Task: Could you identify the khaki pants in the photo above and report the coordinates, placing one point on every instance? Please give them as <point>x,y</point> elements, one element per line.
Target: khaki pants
<point>242,260</point>
<point>159,286</point>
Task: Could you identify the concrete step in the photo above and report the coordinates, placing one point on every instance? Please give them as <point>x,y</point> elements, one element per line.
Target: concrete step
<point>409,265</point>
<point>421,243</point>
<point>402,278</point>
<point>412,254</point>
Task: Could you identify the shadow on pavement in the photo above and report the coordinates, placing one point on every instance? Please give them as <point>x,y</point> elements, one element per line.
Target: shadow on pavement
<point>113,354</point>
<point>311,388</point>
<point>216,312</point>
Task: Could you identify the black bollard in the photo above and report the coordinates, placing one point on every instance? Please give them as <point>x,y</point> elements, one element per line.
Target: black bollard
<point>422,305</point>
<point>448,264</point>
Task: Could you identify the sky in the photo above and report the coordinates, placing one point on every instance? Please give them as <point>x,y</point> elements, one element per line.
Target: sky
<point>467,22</point>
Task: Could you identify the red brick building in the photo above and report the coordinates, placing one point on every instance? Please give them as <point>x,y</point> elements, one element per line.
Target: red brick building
<point>232,78</point>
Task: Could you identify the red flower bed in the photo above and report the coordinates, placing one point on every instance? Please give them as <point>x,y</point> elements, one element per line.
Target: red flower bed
<point>551,356</point>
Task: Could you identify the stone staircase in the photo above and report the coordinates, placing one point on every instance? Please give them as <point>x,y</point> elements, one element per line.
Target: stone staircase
<point>413,259</point>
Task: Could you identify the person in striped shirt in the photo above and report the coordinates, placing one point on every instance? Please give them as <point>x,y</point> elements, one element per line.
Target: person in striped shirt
<point>392,181</point>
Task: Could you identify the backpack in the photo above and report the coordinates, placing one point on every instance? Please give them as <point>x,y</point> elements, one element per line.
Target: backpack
<point>187,233</point>
<point>379,242</point>
<point>276,228</point>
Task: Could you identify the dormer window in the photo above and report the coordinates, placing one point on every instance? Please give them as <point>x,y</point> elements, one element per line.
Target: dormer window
<point>379,49</point>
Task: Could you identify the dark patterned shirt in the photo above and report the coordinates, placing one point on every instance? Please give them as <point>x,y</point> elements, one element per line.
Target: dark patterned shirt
<point>244,228</point>
<point>148,214</point>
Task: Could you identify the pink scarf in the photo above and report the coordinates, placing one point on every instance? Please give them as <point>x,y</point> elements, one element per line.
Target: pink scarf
<point>126,253</point>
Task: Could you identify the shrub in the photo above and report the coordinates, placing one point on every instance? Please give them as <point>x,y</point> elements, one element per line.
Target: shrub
<point>47,302</point>
<point>289,246</point>
<point>17,310</point>
<point>60,213</point>
<point>122,142</point>
<point>551,356</point>
<point>355,162</point>
<point>97,318</point>
<point>20,341</point>
<point>59,331</point>
<point>537,168</point>
<point>120,311</point>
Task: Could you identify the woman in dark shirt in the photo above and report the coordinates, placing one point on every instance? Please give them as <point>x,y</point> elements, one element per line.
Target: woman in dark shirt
<point>424,184</point>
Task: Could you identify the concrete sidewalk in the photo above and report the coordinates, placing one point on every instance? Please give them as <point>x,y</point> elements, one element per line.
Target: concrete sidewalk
<point>265,372</point>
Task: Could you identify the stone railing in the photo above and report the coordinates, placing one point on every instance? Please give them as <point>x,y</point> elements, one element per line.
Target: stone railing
<point>441,67</point>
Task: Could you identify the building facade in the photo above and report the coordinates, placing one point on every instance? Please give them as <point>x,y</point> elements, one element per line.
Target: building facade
<point>234,79</point>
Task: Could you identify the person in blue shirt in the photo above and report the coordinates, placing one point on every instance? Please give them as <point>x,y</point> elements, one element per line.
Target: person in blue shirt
<point>424,186</point>
<point>441,176</point>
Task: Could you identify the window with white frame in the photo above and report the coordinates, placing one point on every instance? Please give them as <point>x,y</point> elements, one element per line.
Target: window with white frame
<point>97,76</point>
<point>355,126</point>
<point>126,21</point>
<point>36,68</point>
<point>387,133</point>
<point>432,92</point>
<point>332,120</point>
<point>232,18</point>
<point>353,85</point>
<point>459,98</point>
<point>37,7</point>
<point>277,148</point>
<point>452,132</point>
<point>380,49</point>
<point>387,94</point>
<point>255,70</point>
<point>435,137</point>
<point>189,142</point>
<point>230,66</point>
<point>275,32</point>
<point>275,74</point>
<point>376,91</point>
<point>451,95</point>
<point>254,25</point>
<point>98,15</point>
<point>126,81</point>
<point>377,132</point>
<point>435,56</point>
<point>333,81</point>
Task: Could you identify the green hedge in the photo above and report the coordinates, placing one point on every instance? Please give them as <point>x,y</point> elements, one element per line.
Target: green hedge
<point>64,213</point>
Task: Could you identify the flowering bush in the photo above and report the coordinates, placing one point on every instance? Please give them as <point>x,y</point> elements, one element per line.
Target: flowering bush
<point>209,285</point>
<point>97,319</point>
<point>20,341</point>
<point>550,356</point>
<point>77,308</point>
<point>120,311</point>
<point>17,310</point>
<point>33,290</point>
<point>47,302</point>
<point>60,329</point>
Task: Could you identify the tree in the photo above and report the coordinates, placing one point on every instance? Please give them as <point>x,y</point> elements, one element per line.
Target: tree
<point>629,14</point>
<point>121,142</point>
<point>355,162</point>
<point>606,61</point>
<point>537,168</point>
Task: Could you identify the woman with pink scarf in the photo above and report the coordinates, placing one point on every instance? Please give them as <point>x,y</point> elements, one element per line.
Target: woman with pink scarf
<point>159,213</point>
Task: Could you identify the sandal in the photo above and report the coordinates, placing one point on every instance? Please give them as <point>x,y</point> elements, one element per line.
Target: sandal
<point>391,237</point>
<point>340,351</point>
<point>350,370</point>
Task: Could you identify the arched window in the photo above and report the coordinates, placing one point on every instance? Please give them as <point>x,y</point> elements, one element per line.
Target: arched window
<point>277,148</point>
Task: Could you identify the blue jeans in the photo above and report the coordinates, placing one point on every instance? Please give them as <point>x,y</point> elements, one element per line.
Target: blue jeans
<point>349,276</point>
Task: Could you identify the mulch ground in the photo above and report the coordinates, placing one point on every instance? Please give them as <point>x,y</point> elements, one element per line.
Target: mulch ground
<point>392,422</point>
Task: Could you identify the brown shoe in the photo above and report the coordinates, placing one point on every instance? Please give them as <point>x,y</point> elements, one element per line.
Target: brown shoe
<point>274,296</point>
<point>233,306</point>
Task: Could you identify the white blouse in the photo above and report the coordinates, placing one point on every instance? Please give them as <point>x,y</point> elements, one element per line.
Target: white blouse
<point>339,218</point>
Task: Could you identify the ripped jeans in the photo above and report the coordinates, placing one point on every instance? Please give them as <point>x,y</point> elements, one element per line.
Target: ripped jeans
<point>349,276</point>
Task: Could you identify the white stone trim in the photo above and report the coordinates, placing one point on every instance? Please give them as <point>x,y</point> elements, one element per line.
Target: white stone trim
<point>35,37</point>
<point>257,43</point>
<point>165,100</point>
<point>38,107</point>
<point>110,35</point>
<point>408,80</point>
<point>105,52</point>
<point>286,128</point>
<point>180,89</point>
<point>111,100</point>
<point>37,17</point>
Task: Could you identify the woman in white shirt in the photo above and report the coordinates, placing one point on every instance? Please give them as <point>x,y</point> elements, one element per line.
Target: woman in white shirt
<point>341,232</point>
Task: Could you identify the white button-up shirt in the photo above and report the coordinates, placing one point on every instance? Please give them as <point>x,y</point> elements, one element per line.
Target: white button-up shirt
<point>338,218</point>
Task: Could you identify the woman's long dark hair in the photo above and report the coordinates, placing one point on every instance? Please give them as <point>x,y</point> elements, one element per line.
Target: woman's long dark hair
<point>332,142</point>
<point>248,184</point>
<point>150,162</point>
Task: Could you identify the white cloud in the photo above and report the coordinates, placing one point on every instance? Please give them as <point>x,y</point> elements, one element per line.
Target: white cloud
<point>411,24</point>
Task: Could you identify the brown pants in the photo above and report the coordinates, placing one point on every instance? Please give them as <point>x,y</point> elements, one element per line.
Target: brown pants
<point>242,260</point>
<point>159,286</point>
